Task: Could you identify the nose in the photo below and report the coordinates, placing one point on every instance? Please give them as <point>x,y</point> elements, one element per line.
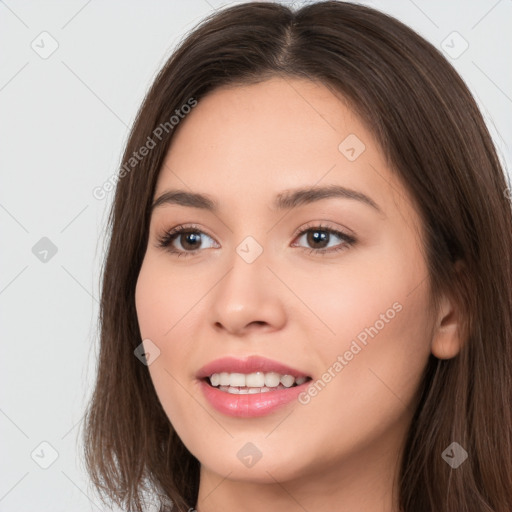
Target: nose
<point>248,298</point>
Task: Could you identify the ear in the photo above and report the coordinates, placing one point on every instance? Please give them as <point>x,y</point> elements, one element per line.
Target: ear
<point>446,338</point>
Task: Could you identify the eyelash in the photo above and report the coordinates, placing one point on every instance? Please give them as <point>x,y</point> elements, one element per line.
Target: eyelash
<point>168,237</point>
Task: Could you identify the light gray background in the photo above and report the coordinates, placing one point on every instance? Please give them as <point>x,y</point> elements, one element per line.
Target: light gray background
<point>64,120</point>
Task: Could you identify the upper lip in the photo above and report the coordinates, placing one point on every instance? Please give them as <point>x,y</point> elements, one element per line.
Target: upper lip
<point>248,365</point>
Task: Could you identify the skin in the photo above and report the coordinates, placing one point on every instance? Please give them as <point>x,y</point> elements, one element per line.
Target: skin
<point>243,145</point>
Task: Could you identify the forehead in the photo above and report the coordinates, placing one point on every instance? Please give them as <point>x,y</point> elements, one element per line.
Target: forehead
<point>280,115</point>
<point>252,141</point>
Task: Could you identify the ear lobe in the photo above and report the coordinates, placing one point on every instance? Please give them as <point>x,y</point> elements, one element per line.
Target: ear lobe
<point>446,338</point>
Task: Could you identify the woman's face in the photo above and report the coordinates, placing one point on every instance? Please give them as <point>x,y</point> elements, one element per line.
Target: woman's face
<point>349,311</point>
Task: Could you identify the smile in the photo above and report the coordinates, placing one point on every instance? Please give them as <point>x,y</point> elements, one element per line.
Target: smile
<point>252,383</point>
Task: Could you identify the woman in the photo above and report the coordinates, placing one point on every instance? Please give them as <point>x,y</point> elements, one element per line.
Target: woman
<point>307,299</point>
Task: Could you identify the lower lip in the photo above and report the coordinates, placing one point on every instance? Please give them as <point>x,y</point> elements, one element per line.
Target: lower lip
<point>250,405</point>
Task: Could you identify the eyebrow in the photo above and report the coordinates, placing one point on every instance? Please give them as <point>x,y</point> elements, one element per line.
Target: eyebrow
<point>285,200</point>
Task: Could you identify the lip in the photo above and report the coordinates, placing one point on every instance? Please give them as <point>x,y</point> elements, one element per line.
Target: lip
<point>248,405</point>
<point>250,364</point>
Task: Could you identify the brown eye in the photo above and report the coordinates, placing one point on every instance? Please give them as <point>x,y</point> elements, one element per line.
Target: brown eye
<point>188,239</point>
<point>318,239</point>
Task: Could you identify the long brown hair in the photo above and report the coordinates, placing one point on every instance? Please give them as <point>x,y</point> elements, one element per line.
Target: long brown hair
<point>434,137</point>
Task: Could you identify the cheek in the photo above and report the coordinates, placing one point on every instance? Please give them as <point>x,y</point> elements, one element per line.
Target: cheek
<point>161,313</point>
<point>371,372</point>
<point>163,298</point>
<point>339,303</point>
<point>375,318</point>
<point>163,319</point>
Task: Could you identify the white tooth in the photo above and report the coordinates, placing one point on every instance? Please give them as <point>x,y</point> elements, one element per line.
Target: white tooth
<point>224,379</point>
<point>287,381</point>
<point>249,391</point>
<point>236,379</point>
<point>272,379</point>
<point>255,380</point>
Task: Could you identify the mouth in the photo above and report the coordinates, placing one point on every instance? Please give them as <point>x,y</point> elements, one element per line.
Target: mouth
<point>250,375</point>
<point>250,387</point>
<point>252,383</point>
<point>251,401</point>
